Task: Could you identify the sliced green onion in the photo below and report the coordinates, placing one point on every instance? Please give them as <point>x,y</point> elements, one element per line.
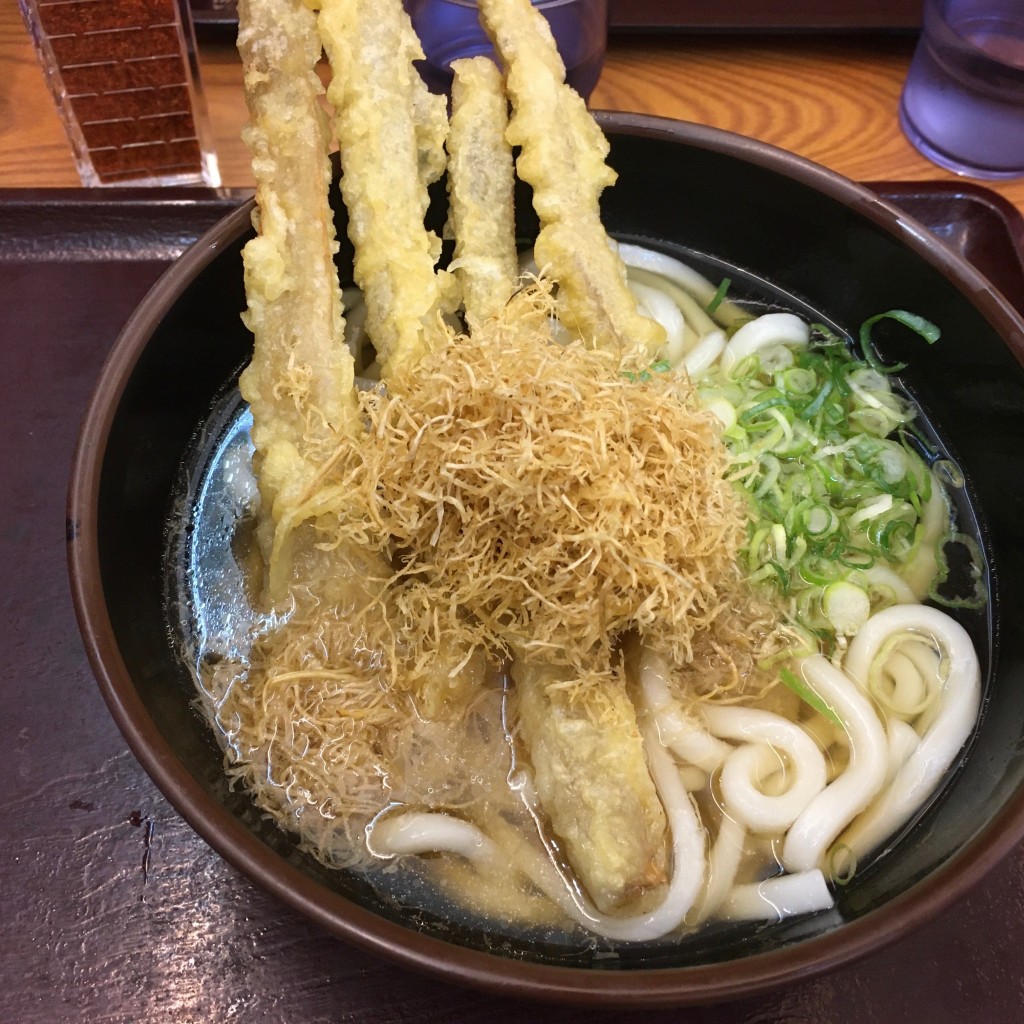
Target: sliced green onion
<point>857,558</point>
<point>827,337</point>
<point>812,408</point>
<point>879,422</point>
<point>924,328</point>
<point>808,696</point>
<point>950,472</point>
<point>773,400</point>
<point>846,606</point>
<point>776,358</point>
<point>895,537</point>
<point>798,381</point>
<point>874,508</point>
<point>716,299</point>
<point>842,864</point>
<point>828,456</point>
<point>724,410</point>
<point>979,595</point>
<point>820,521</point>
<point>771,468</point>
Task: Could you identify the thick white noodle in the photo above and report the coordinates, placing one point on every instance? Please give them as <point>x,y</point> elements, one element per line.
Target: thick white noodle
<point>903,741</point>
<point>770,329</point>
<point>742,773</point>
<point>428,832</point>
<point>658,306</point>
<point>778,897</point>
<point>682,276</point>
<point>682,733</point>
<point>915,681</point>
<point>927,661</point>
<point>723,863</point>
<point>704,354</point>
<point>851,792</point>
<point>881,577</point>
<point>950,724</point>
<point>697,320</point>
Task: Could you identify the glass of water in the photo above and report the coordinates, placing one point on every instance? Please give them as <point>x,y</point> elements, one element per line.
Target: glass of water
<point>450,29</point>
<point>963,101</point>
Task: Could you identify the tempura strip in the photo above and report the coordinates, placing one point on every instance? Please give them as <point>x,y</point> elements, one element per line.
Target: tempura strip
<point>562,157</point>
<point>592,780</point>
<point>480,184</point>
<point>299,384</point>
<point>389,133</point>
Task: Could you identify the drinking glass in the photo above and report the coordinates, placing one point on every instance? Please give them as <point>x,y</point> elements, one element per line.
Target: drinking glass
<point>963,101</point>
<point>450,29</point>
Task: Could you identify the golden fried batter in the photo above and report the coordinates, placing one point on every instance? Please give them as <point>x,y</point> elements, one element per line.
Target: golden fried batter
<point>480,184</point>
<point>591,778</point>
<point>390,132</point>
<point>300,381</point>
<point>563,153</point>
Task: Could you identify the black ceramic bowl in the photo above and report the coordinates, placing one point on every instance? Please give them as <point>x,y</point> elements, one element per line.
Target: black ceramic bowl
<point>806,237</point>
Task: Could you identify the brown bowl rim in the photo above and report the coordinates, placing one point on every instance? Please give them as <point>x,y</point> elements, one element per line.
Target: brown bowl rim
<point>656,987</point>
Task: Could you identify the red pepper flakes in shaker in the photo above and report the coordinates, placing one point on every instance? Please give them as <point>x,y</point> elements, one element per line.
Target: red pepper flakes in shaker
<point>122,77</point>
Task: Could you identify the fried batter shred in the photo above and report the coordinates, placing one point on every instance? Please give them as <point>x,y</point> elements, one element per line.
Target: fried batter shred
<point>480,186</point>
<point>390,134</point>
<point>299,383</point>
<point>563,158</point>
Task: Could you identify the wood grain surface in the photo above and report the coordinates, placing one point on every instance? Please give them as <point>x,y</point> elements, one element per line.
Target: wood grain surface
<point>830,98</point>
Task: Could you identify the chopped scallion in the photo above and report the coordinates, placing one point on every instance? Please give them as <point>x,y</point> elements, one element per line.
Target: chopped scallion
<point>808,696</point>
<point>718,297</point>
<point>828,455</point>
<point>924,328</point>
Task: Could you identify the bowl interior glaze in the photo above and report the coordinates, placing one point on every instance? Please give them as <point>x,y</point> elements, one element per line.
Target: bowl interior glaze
<point>809,235</point>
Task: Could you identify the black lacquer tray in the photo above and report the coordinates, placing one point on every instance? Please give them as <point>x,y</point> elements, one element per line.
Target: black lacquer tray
<point>112,908</point>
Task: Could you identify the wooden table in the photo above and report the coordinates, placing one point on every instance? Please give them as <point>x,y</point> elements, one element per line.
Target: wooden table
<point>831,99</point>
<point>111,908</point>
